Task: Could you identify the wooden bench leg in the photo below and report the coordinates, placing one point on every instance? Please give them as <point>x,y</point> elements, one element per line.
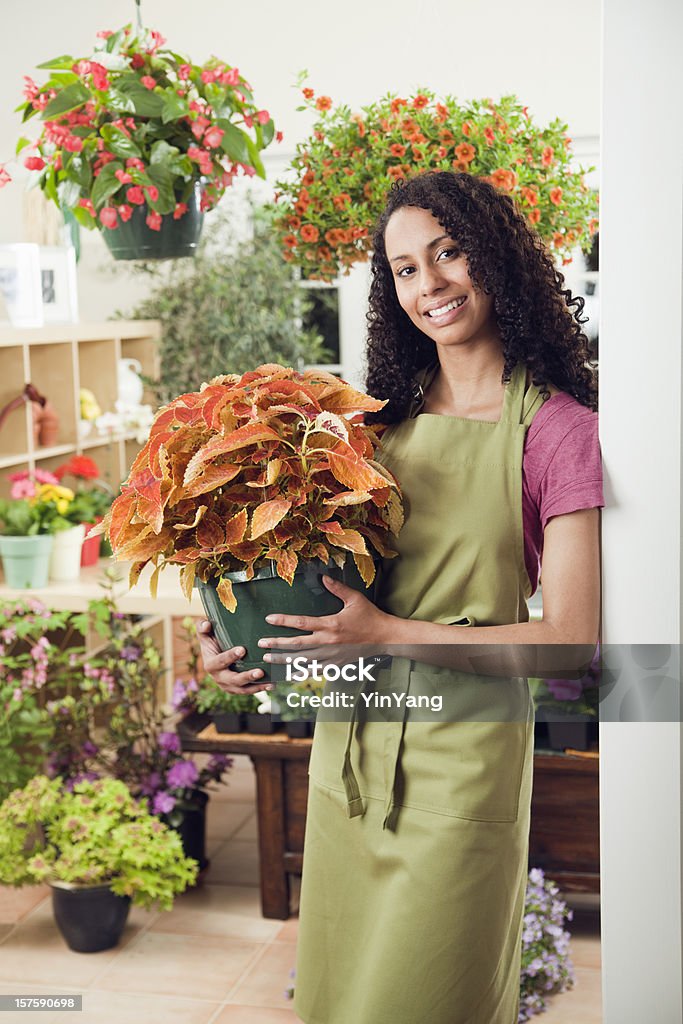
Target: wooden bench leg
<point>271,837</point>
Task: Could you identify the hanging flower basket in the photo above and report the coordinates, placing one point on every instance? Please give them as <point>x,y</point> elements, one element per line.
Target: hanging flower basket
<point>337,184</point>
<point>139,142</point>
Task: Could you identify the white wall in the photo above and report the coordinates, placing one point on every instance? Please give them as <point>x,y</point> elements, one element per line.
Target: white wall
<point>354,51</point>
<point>641,246</point>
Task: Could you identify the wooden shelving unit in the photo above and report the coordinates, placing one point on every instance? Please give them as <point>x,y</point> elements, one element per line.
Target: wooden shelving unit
<point>59,361</point>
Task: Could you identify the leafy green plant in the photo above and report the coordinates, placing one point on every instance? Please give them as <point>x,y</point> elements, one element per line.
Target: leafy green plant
<point>234,307</point>
<point>341,173</point>
<point>94,835</point>
<point>210,699</point>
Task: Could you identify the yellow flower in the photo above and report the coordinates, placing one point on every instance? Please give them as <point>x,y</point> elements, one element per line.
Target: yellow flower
<point>52,493</point>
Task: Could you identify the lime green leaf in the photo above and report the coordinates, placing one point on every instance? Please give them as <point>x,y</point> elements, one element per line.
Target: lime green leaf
<point>58,62</point>
<point>234,142</point>
<point>162,153</point>
<point>268,132</point>
<point>21,144</point>
<point>74,95</point>
<point>163,180</point>
<point>255,159</point>
<point>173,107</point>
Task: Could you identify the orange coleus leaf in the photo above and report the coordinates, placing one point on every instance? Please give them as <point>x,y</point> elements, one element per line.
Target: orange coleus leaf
<point>286,562</point>
<point>226,595</point>
<point>210,532</point>
<point>332,527</point>
<point>366,567</point>
<point>142,548</point>
<point>120,515</point>
<point>236,528</point>
<point>350,540</point>
<point>195,522</point>
<point>354,473</point>
<point>208,478</point>
<point>240,438</point>
<point>187,575</point>
<point>348,498</point>
<point>267,515</point>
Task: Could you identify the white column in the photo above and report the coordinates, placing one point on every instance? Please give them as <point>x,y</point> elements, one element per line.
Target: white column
<point>641,247</point>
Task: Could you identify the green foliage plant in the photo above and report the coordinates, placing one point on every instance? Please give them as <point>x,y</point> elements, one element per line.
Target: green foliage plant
<point>97,834</point>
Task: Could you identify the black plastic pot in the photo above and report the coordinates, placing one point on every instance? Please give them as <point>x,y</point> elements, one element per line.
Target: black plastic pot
<point>267,593</point>
<point>298,729</point>
<point>192,829</point>
<point>228,721</point>
<point>91,918</point>
<point>134,240</point>
<point>260,724</point>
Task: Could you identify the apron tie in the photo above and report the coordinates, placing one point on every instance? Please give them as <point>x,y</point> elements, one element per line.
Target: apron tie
<point>393,741</point>
<point>354,803</point>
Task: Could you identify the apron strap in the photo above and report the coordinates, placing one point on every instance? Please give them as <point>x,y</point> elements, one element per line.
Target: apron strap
<point>393,741</point>
<point>354,802</point>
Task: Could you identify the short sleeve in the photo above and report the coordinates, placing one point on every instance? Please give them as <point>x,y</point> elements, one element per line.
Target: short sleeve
<point>567,462</point>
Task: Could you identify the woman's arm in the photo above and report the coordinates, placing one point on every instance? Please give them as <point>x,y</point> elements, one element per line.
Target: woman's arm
<point>571,617</point>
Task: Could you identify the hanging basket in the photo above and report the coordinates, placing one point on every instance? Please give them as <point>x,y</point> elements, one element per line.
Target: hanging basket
<point>135,240</point>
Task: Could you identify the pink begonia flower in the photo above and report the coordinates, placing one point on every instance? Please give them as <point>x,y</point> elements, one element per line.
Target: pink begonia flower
<point>86,204</point>
<point>153,220</point>
<point>137,61</point>
<point>279,136</point>
<point>231,77</point>
<point>34,163</point>
<point>135,161</point>
<point>99,76</point>
<point>184,72</point>
<point>4,176</point>
<point>195,153</point>
<point>263,116</point>
<point>135,195</point>
<point>105,33</point>
<point>123,176</point>
<point>109,216</point>
<point>212,137</point>
<point>148,82</point>
<point>208,76</point>
<point>152,193</point>
<point>180,210</point>
<point>125,212</point>
<point>249,121</point>
<point>73,144</point>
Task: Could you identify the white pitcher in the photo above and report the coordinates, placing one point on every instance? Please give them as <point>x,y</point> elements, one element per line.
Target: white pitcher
<point>131,388</point>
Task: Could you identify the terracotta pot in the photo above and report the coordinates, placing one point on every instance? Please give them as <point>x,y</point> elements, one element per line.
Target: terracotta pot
<point>49,426</point>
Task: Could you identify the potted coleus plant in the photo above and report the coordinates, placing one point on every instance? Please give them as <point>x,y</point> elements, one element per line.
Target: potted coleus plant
<point>138,141</point>
<point>338,180</point>
<point>98,848</point>
<point>94,497</point>
<point>256,485</point>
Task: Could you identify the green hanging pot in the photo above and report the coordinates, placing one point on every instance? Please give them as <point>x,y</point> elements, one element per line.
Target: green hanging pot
<point>135,240</point>
<point>268,593</point>
<point>25,560</point>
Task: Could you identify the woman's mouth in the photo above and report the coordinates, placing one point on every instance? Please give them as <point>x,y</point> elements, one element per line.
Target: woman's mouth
<point>447,313</point>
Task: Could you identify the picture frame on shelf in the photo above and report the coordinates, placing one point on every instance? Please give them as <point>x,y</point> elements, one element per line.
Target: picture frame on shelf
<point>58,281</point>
<point>21,300</point>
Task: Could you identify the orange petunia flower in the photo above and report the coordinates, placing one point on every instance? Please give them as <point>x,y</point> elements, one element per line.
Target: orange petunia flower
<point>446,135</point>
<point>342,200</point>
<point>466,128</point>
<point>592,226</point>
<point>556,196</point>
<point>310,233</point>
<point>360,124</point>
<point>395,172</point>
<point>547,156</point>
<point>534,215</point>
<point>503,178</point>
<point>461,165</point>
<point>290,241</point>
<point>397,150</point>
<point>308,178</point>
<point>308,93</point>
<point>441,112</point>
<point>490,136</point>
<point>324,253</point>
<point>530,195</point>
<point>294,223</point>
<point>323,103</point>
<point>466,152</point>
<point>367,190</point>
<point>558,240</point>
<point>420,101</point>
<point>441,153</point>
<point>301,206</point>
<point>397,104</point>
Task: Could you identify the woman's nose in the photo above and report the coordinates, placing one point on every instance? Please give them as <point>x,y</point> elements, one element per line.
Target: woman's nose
<point>431,279</point>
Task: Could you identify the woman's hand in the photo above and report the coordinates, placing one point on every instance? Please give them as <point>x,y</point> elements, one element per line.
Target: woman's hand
<point>218,664</point>
<point>359,623</point>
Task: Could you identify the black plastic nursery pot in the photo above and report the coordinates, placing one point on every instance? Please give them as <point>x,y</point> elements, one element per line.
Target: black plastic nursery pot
<point>192,829</point>
<point>90,918</point>
<point>228,721</point>
<point>268,593</point>
<point>135,240</point>
<point>262,725</point>
<point>298,729</point>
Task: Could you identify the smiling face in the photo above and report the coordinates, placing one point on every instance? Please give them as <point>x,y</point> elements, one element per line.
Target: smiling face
<point>432,281</point>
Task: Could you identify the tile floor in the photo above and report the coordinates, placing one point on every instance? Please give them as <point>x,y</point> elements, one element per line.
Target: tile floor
<point>213,959</point>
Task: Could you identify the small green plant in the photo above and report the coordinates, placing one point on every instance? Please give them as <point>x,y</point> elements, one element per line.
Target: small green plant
<point>97,834</point>
<point>210,699</point>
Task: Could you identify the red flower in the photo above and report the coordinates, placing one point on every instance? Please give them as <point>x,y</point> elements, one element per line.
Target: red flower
<point>397,104</point>
<point>466,152</point>
<point>420,101</point>
<point>148,81</point>
<point>109,217</point>
<point>136,61</point>
<point>153,220</point>
<point>184,72</point>
<point>180,211</point>
<point>123,176</point>
<point>340,201</point>
<point>99,76</point>
<point>34,163</point>
<point>556,196</point>
<point>78,465</point>
<point>262,116</point>
<point>105,33</point>
<point>502,178</point>
<point>290,241</point>
<point>323,103</point>
<point>212,138</point>
<point>135,161</point>
<point>278,136</point>
<point>530,195</point>
<point>310,233</point>
<point>397,150</point>
<point>125,212</point>
<point>308,93</point>
<point>86,204</point>
<point>490,136</point>
<point>152,193</point>
<point>441,112</point>
<point>466,128</point>
<point>73,144</point>
<point>534,215</point>
<point>592,226</point>
<point>547,156</point>
<point>135,195</point>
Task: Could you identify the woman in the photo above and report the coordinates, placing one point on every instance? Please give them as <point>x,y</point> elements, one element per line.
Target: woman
<point>417,830</point>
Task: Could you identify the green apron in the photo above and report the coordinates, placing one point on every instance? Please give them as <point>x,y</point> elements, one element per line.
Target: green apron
<point>415,859</point>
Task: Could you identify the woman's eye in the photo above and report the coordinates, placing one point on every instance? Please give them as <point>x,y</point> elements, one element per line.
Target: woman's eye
<point>450,251</point>
<point>403,271</point>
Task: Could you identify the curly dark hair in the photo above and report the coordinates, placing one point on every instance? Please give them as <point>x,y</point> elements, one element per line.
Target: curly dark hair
<point>539,320</point>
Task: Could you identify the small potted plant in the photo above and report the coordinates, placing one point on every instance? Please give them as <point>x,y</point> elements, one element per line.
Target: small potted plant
<point>26,541</point>
<point>259,717</point>
<point>256,485</point>
<point>336,189</point>
<point>227,710</point>
<point>94,498</point>
<point>98,848</point>
<point>546,967</point>
<point>138,141</point>
<point>297,713</point>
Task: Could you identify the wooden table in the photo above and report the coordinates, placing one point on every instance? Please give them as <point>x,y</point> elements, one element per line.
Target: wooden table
<point>564,840</point>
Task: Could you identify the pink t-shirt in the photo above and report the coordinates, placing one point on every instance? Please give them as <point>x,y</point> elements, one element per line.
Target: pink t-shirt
<point>561,470</point>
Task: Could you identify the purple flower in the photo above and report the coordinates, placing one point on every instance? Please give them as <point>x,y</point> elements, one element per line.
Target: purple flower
<point>182,775</point>
<point>565,689</point>
<point>163,803</point>
<point>131,652</point>
<point>89,749</point>
<point>150,785</point>
<point>169,742</point>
